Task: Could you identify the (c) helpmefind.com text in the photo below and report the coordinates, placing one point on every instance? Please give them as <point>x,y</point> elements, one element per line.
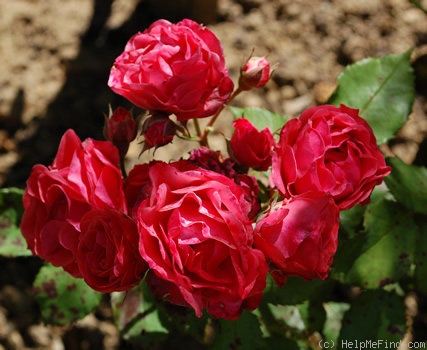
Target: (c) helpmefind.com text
<point>371,344</point>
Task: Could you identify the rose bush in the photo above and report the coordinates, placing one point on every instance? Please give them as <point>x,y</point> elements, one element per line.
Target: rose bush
<point>175,68</point>
<point>204,230</point>
<point>83,175</point>
<point>329,149</point>
<point>197,239</point>
<point>299,236</point>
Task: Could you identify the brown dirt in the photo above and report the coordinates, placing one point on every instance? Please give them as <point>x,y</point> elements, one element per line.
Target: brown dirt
<point>55,59</point>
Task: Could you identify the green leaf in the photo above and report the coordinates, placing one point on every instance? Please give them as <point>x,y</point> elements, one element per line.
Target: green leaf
<point>243,333</point>
<point>12,243</point>
<point>295,291</point>
<point>351,221</point>
<point>63,298</point>
<point>334,316</point>
<point>293,316</point>
<point>309,315</point>
<point>408,184</point>
<point>314,315</point>
<point>280,343</point>
<point>382,89</point>
<point>420,274</point>
<point>389,241</point>
<point>134,313</point>
<point>261,118</point>
<point>373,316</point>
<point>182,323</point>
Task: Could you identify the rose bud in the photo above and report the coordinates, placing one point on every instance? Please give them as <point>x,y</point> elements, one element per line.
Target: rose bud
<point>158,130</point>
<point>249,147</point>
<point>255,73</point>
<point>120,128</point>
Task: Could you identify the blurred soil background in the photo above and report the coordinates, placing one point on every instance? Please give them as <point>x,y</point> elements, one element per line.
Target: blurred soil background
<point>55,58</point>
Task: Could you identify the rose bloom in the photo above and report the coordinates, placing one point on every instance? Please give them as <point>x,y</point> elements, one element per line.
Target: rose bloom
<point>208,159</point>
<point>197,239</point>
<point>107,253</point>
<point>329,149</point>
<point>83,175</point>
<point>299,236</point>
<point>174,68</point>
<point>137,185</point>
<point>250,147</point>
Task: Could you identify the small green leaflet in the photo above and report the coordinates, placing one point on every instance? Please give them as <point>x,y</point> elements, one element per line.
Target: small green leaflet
<point>261,118</point>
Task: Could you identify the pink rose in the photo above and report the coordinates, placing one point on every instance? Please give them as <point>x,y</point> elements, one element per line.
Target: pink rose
<point>82,176</point>
<point>255,73</point>
<point>299,236</point>
<point>107,253</point>
<point>174,68</point>
<point>251,148</point>
<point>197,239</point>
<point>329,149</point>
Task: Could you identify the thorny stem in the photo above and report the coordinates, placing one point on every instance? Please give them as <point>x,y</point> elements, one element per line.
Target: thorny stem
<point>197,126</point>
<point>123,149</point>
<point>122,167</point>
<point>204,138</point>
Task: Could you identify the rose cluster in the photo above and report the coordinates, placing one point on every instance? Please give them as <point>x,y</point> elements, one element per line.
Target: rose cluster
<point>200,231</point>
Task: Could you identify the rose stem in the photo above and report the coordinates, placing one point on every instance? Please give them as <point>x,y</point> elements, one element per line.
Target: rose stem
<point>204,138</point>
<point>122,167</point>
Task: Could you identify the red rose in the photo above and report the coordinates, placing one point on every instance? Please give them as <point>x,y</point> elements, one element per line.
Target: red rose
<point>255,73</point>
<point>107,253</point>
<point>208,159</point>
<point>329,149</point>
<point>82,176</point>
<point>250,184</point>
<point>299,236</point>
<point>174,68</point>
<point>120,128</point>
<point>158,130</point>
<point>197,239</point>
<point>250,147</point>
<point>137,185</point>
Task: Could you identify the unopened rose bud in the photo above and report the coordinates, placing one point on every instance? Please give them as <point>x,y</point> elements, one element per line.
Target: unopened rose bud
<point>158,130</point>
<point>120,128</point>
<point>255,73</point>
<point>249,147</point>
